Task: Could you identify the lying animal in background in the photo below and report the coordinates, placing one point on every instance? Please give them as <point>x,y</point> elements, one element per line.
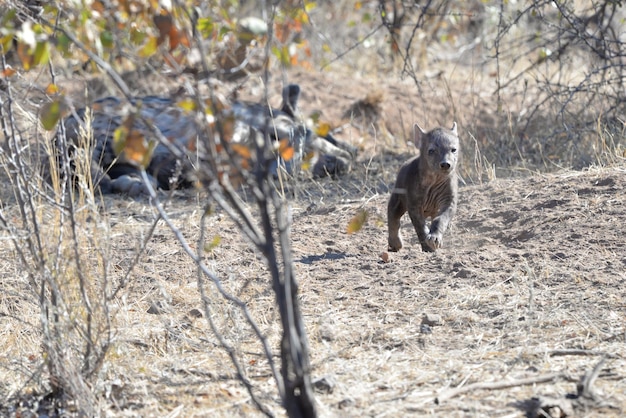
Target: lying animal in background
<point>111,172</point>
<point>426,187</point>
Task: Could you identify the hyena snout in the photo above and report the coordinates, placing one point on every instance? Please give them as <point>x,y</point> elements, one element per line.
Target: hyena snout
<point>447,164</point>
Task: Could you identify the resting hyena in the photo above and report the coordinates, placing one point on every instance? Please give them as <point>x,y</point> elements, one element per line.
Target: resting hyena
<point>426,187</point>
<point>113,174</point>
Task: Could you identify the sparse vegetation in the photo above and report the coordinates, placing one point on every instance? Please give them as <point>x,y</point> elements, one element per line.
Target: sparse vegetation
<point>186,303</point>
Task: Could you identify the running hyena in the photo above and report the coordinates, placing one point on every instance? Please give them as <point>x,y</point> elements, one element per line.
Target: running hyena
<point>426,187</point>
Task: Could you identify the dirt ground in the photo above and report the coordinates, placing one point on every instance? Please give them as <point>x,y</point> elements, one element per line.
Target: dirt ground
<point>528,287</point>
<point>527,293</point>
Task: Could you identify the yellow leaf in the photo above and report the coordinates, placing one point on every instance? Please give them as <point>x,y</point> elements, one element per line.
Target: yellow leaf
<point>187,104</point>
<point>357,221</point>
<point>205,27</point>
<point>323,129</point>
<point>210,246</point>
<point>150,47</point>
<point>119,139</point>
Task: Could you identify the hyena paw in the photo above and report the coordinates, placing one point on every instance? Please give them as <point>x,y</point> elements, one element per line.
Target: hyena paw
<point>434,241</point>
<point>395,244</point>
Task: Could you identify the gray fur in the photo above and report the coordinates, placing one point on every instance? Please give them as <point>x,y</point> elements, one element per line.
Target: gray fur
<point>427,188</point>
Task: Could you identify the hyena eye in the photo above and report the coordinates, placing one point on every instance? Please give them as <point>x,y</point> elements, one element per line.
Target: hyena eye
<point>453,150</point>
<point>431,151</point>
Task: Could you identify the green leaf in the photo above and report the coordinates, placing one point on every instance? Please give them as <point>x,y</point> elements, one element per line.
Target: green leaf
<point>206,27</point>
<point>42,53</point>
<point>63,44</point>
<point>6,42</point>
<point>282,54</point>
<point>7,19</point>
<point>137,36</point>
<point>50,114</point>
<point>106,38</point>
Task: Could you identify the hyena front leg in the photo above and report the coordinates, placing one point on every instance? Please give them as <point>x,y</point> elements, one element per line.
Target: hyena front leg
<point>395,210</point>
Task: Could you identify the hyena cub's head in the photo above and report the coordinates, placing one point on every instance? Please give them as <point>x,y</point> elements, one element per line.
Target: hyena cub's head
<point>439,148</point>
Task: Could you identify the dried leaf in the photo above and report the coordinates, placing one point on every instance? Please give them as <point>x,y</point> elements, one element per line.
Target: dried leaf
<point>52,89</point>
<point>8,72</point>
<point>242,150</point>
<point>137,149</point>
<point>24,55</point>
<point>165,24</point>
<point>285,150</point>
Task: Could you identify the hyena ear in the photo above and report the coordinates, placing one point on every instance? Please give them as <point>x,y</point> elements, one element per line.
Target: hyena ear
<point>418,134</point>
<point>453,129</point>
<point>291,93</point>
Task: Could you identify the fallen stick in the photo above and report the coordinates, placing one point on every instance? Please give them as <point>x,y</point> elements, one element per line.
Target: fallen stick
<point>451,393</point>
<point>579,352</point>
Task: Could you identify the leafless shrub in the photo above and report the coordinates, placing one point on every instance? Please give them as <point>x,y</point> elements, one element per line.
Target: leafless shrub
<point>62,244</point>
<point>559,68</point>
<point>60,241</point>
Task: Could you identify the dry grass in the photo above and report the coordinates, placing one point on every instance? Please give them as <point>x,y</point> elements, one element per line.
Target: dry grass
<point>529,284</point>
<point>531,268</point>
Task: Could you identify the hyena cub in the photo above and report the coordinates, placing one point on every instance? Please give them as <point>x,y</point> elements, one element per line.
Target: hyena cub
<point>426,187</point>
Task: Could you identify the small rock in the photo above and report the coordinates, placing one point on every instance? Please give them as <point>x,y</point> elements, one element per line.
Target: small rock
<point>345,403</point>
<point>326,332</point>
<point>325,384</point>
<point>195,313</point>
<point>431,319</point>
<point>158,307</point>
